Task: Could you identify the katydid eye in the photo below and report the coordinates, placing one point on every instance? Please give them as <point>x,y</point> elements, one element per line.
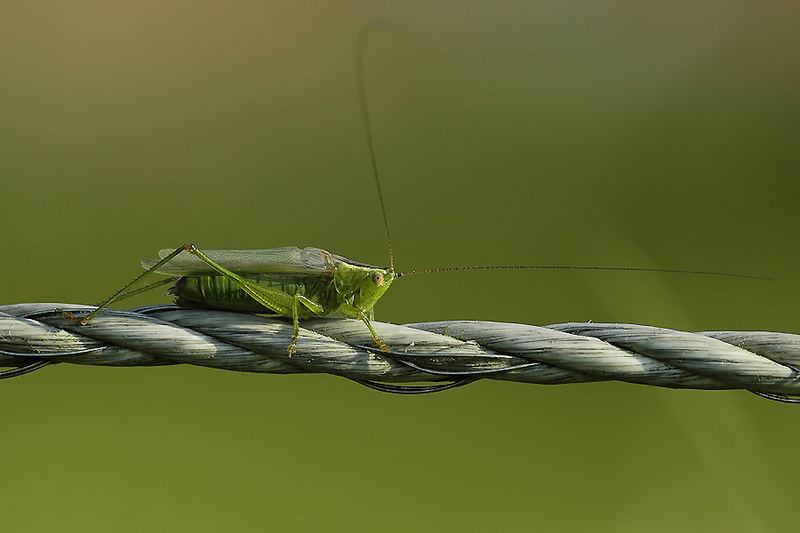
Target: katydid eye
<point>377,278</point>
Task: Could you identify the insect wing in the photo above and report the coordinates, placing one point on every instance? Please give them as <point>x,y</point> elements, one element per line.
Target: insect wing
<point>286,260</point>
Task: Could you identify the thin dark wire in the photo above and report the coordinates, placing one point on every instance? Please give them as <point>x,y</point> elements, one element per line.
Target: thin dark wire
<point>53,354</point>
<point>22,370</point>
<point>412,389</point>
<point>362,98</point>
<point>785,398</point>
<point>572,267</point>
<point>405,358</point>
<point>776,397</point>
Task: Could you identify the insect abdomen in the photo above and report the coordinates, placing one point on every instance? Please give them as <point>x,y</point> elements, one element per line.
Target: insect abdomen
<point>218,292</point>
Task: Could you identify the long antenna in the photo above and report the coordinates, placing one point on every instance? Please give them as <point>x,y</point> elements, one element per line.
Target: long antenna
<point>361,46</point>
<point>572,267</point>
<point>362,98</point>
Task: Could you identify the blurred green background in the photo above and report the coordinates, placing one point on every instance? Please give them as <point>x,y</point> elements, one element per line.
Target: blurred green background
<point>611,132</point>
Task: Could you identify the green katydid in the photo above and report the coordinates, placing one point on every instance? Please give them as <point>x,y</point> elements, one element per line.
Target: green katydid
<point>290,281</point>
<point>294,282</point>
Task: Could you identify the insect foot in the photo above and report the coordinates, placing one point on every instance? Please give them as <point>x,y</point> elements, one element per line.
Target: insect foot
<point>72,317</point>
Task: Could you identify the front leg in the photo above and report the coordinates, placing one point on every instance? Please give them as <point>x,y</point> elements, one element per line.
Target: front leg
<point>352,310</point>
<point>378,342</point>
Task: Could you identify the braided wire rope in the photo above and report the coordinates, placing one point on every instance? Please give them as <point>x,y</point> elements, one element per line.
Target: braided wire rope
<point>446,354</point>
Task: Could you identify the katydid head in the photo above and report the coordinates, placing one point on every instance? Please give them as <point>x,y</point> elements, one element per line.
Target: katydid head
<point>372,288</point>
<point>365,284</point>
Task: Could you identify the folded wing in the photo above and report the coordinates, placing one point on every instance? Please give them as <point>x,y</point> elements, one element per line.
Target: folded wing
<point>286,260</point>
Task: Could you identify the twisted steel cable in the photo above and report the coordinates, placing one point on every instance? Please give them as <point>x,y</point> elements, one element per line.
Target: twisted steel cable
<point>446,354</point>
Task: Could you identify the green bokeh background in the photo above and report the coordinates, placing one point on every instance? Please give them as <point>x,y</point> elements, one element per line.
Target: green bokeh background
<point>612,132</point>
